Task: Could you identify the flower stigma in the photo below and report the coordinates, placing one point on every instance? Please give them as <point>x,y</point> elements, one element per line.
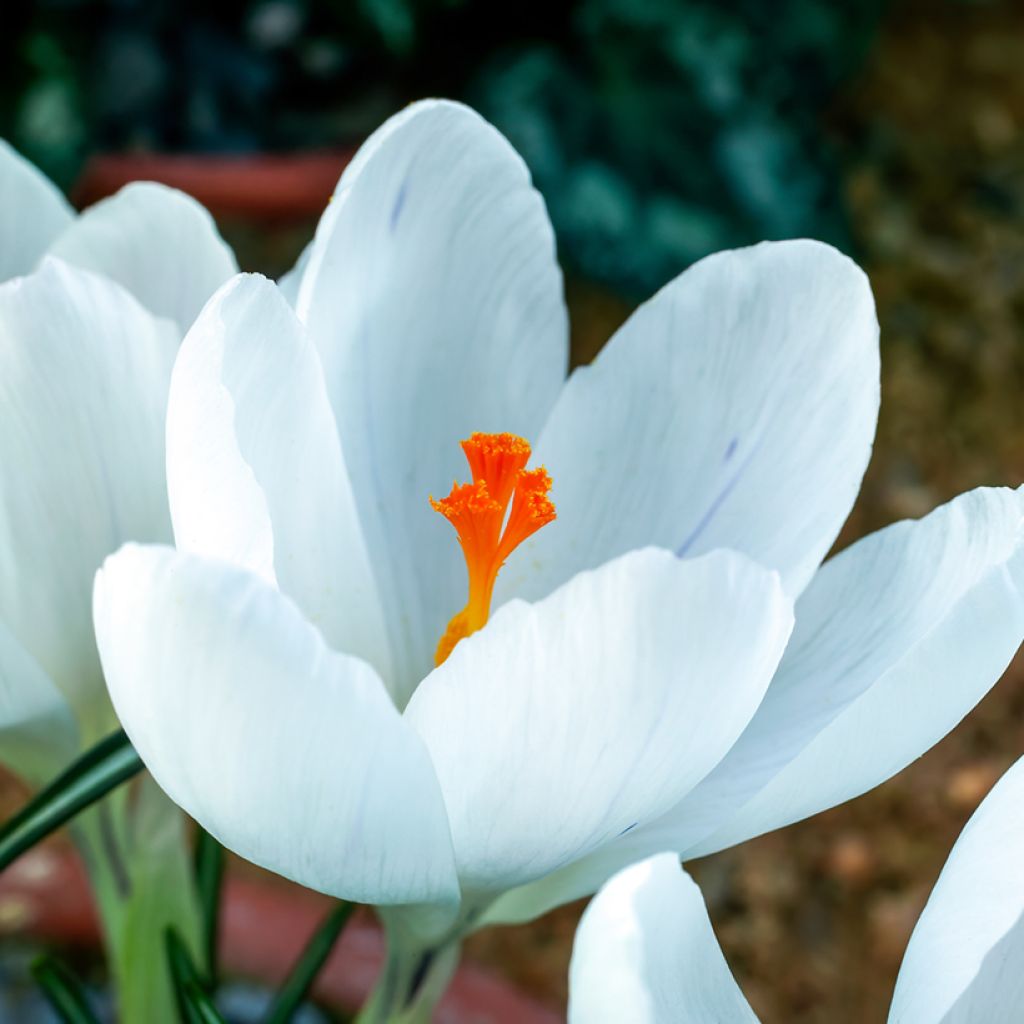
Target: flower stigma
<point>487,537</point>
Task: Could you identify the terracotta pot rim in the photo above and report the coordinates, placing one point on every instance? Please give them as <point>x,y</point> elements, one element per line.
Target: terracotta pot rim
<point>260,186</point>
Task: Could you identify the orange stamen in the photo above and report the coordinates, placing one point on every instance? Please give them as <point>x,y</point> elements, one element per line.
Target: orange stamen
<point>477,511</point>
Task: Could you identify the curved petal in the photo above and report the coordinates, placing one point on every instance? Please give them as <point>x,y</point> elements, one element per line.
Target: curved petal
<point>965,961</point>
<point>290,754</point>
<point>254,466</point>
<point>157,242</point>
<point>38,736</point>
<point>736,409</point>
<point>32,213</point>
<point>645,952</point>
<point>564,724</point>
<point>897,638</point>
<point>83,391</point>
<point>433,295</point>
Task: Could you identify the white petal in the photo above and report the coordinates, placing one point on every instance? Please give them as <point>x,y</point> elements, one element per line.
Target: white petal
<point>290,754</point>
<point>645,952</point>
<point>157,242</point>
<point>736,409</point>
<point>433,295</point>
<point>83,390</point>
<point>38,736</point>
<point>897,638</point>
<point>965,961</point>
<point>32,213</point>
<point>255,469</point>
<point>563,724</point>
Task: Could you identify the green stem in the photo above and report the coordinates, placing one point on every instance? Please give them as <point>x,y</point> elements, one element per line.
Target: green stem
<point>135,849</point>
<point>411,983</point>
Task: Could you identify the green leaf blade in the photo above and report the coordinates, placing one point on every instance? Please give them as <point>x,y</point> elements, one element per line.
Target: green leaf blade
<point>99,770</point>
<point>301,977</point>
<point>63,991</point>
<point>190,986</point>
<point>209,867</point>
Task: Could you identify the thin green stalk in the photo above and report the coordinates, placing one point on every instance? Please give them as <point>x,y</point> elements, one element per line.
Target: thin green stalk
<point>209,871</point>
<point>140,866</point>
<point>98,771</point>
<point>410,985</point>
<point>191,989</point>
<point>63,991</point>
<point>301,977</point>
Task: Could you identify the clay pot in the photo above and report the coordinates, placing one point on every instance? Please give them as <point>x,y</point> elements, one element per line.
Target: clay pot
<point>254,188</point>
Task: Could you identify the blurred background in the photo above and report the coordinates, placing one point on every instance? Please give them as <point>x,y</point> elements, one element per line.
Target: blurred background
<point>657,132</point>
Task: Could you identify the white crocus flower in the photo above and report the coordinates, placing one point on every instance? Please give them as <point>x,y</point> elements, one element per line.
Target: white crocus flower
<point>87,342</point>
<point>277,673</point>
<point>85,363</point>
<point>645,950</point>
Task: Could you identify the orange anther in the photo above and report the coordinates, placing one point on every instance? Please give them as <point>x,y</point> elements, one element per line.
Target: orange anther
<point>478,513</point>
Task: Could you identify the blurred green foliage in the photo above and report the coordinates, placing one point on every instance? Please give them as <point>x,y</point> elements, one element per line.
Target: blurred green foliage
<point>658,130</point>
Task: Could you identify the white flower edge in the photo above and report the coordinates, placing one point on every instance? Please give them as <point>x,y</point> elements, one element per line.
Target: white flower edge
<point>155,241</point>
<point>287,751</point>
<point>84,370</point>
<point>645,950</point>
<point>32,210</point>
<point>566,723</point>
<point>965,959</point>
<point>434,298</point>
<point>902,634</point>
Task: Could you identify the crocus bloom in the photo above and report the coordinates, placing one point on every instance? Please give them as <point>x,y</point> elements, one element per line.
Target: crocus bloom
<point>297,676</point>
<point>87,342</point>
<point>645,950</point>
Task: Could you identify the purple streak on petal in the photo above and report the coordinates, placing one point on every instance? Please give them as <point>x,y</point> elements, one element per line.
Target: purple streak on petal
<point>719,499</point>
<point>398,206</point>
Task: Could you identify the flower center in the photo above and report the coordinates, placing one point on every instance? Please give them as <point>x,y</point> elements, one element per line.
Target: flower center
<point>478,513</point>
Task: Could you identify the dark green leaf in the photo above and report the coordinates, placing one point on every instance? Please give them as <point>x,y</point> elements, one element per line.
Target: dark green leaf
<point>199,1006</point>
<point>190,986</point>
<point>303,974</point>
<point>63,991</point>
<point>98,771</point>
<point>209,875</point>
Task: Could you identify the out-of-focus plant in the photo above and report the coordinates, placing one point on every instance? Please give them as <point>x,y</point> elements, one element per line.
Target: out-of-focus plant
<point>672,129</point>
<point>658,132</point>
